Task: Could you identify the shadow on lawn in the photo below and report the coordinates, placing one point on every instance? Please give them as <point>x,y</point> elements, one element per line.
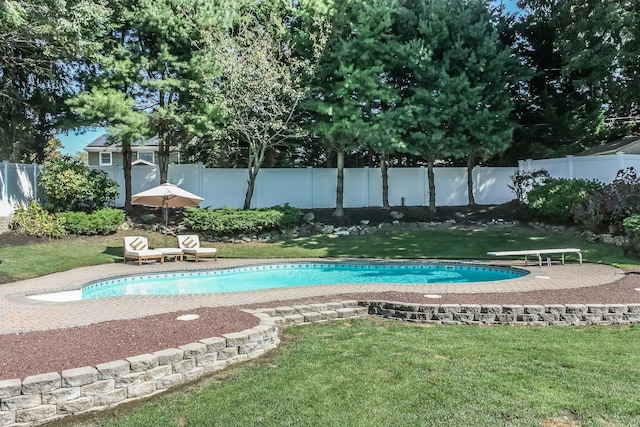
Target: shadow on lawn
<point>115,251</point>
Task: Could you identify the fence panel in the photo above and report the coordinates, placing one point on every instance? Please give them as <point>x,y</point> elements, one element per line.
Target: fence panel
<point>270,190</point>
<point>18,185</point>
<point>407,186</point>
<point>451,186</point>
<point>324,186</point>
<point>491,185</point>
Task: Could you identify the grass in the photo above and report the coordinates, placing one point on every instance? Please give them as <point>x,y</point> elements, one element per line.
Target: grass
<point>381,372</point>
<point>23,262</point>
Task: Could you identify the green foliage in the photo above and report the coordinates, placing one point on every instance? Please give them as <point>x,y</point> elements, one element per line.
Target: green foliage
<point>605,210</point>
<point>632,226</point>
<point>99,190</point>
<point>103,221</point>
<point>555,198</point>
<point>69,185</point>
<point>35,221</point>
<point>41,41</point>
<point>261,112</point>
<point>231,220</point>
<point>523,181</point>
<point>557,115</point>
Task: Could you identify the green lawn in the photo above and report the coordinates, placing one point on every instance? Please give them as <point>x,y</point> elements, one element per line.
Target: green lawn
<point>382,372</point>
<point>22,262</point>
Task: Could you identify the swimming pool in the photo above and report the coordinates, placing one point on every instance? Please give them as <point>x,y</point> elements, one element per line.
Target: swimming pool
<point>283,275</point>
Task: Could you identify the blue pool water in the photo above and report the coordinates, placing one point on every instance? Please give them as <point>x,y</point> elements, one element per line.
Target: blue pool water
<point>287,275</point>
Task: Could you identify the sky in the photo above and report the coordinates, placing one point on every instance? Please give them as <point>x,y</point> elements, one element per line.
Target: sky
<point>509,5</point>
<point>75,141</point>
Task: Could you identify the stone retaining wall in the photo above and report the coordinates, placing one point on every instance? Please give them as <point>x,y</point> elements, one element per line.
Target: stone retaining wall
<point>43,398</point>
<point>550,314</point>
<point>47,397</point>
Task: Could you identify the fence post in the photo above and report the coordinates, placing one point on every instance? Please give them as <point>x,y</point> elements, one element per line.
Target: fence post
<point>35,180</point>
<point>367,184</point>
<point>423,185</point>
<point>570,166</point>
<point>200,178</point>
<point>310,187</point>
<point>5,179</point>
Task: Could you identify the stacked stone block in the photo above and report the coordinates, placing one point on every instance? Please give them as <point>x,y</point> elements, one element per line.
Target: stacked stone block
<point>47,397</point>
<point>550,314</point>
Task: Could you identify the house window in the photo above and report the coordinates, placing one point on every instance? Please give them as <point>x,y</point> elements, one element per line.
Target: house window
<point>147,157</point>
<point>105,159</point>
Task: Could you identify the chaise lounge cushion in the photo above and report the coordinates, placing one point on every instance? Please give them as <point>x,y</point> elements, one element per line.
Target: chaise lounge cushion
<point>137,248</point>
<point>190,245</point>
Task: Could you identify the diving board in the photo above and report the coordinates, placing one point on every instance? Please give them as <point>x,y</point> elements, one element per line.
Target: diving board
<point>539,253</point>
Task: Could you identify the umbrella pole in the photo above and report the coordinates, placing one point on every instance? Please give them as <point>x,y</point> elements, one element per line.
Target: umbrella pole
<point>166,224</point>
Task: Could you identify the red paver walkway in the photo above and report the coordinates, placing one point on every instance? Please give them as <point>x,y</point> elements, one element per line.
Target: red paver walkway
<point>21,314</point>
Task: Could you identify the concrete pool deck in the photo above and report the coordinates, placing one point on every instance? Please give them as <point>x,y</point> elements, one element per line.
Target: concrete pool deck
<point>19,313</point>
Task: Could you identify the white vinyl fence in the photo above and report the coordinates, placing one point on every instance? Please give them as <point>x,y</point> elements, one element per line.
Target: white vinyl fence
<point>18,185</point>
<point>309,188</point>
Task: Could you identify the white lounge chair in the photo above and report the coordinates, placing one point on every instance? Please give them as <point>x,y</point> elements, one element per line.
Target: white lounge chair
<point>190,245</point>
<point>539,253</point>
<point>137,248</point>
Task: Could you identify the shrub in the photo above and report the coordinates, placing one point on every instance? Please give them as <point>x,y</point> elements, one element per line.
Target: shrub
<point>632,230</point>
<point>70,186</point>
<point>555,197</point>
<point>103,221</point>
<point>523,181</point>
<point>606,209</point>
<point>231,220</point>
<point>99,190</point>
<point>35,221</point>
<point>632,226</point>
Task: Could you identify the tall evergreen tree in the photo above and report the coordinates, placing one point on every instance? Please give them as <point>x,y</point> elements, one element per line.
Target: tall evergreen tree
<point>600,43</point>
<point>146,63</point>
<point>453,77</point>
<point>555,114</point>
<point>349,83</point>
<point>42,45</point>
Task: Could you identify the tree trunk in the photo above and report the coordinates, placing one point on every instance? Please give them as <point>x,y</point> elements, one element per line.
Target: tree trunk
<point>339,212</point>
<point>253,173</point>
<point>126,166</point>
<point>163,161</point>
<point>384,170</point>
<point>470,165</point>
<point>256,159</point>
<point>431,177</point>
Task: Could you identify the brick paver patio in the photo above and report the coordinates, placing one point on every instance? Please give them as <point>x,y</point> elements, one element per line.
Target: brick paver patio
<point>18,313</point>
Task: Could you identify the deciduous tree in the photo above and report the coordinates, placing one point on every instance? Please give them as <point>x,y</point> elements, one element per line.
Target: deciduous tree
<point>262,77</point>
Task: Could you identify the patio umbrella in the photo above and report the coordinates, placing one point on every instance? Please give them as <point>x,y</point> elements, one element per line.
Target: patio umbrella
<point>166,196</point>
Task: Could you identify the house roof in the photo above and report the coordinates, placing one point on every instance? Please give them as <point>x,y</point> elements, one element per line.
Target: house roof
<point>628,145</point>
<point>102,144</point>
